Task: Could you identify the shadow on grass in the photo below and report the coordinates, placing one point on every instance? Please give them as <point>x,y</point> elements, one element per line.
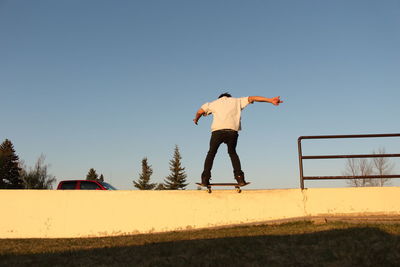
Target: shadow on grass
<point>361,246</point>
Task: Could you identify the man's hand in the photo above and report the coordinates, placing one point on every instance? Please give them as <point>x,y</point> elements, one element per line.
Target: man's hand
<point>276,101</point>
<point>198,115</point>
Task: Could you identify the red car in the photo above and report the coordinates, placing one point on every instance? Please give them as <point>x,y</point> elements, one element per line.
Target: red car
<point>84,185</point>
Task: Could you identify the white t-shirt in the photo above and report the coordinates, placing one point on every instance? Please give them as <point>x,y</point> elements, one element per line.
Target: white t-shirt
<point>226,112</point>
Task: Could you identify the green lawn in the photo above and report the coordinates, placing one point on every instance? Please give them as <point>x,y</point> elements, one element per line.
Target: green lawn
<point>290,244</point>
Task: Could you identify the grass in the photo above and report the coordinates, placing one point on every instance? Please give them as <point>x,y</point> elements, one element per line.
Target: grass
<point>290,244</point>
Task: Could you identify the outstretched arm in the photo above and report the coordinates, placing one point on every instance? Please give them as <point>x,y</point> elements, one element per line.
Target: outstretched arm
<point>198,115</point>
<point>275,100</point>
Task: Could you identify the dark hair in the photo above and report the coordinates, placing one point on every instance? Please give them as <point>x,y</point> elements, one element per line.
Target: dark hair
<point>225,94</point>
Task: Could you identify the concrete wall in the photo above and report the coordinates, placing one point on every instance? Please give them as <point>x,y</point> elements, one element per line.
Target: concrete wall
<point>53,214</point>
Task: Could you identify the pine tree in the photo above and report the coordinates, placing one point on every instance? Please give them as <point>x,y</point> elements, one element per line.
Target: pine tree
<point>144,178</point>
<point>92,175</point>
<point>177,178</point>
<point>9,167</point>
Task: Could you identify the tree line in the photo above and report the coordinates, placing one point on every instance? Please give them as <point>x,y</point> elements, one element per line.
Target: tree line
<point>174,181</point>
<point>14,174</point>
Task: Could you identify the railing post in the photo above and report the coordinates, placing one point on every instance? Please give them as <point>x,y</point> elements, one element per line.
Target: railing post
<point>300,163</point>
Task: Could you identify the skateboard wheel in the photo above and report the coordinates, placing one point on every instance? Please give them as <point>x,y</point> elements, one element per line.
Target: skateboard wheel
<point>209,190</point>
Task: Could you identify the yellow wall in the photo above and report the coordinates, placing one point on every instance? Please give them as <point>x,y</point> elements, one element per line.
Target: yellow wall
<point>53,213</point>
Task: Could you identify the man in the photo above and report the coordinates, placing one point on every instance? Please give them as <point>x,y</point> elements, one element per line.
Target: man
<point>226,112</point>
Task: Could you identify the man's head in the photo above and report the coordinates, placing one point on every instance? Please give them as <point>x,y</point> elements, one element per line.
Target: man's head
<point>225,94</point>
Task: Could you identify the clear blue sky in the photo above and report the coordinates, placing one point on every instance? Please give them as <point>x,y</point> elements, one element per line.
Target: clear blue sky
<point>102,84</point>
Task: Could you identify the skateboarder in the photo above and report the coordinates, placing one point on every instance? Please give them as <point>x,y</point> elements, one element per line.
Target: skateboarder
<point>226,111</point>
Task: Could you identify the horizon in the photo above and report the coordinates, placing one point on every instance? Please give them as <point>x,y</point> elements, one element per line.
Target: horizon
<point>103,84</point>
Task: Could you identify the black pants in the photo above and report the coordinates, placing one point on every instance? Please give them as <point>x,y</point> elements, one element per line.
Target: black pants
<point>229,137</point>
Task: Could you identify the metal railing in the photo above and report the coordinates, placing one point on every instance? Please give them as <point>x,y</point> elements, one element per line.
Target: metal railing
<point>301,157</point>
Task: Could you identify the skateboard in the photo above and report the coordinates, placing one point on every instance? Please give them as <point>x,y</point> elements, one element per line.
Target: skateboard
<point>237,186</point>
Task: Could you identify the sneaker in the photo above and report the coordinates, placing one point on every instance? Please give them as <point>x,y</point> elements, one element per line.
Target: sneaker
<point>205,181</point>
<point>240,180</point>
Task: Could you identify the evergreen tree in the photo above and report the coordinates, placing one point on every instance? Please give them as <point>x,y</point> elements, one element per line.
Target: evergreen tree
<point>92,175</point>
<point>177,178</point>
<point>144,178</point>
<point>37,177</point>
<point>9,167</point>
